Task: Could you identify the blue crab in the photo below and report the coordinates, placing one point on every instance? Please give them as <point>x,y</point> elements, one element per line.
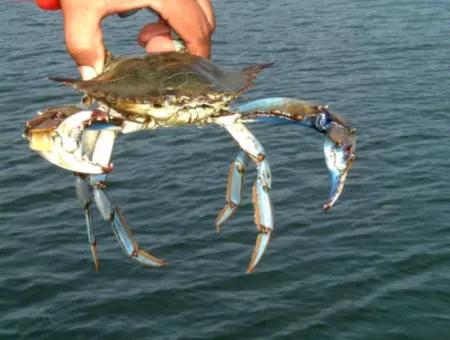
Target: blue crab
<point>168,90</point>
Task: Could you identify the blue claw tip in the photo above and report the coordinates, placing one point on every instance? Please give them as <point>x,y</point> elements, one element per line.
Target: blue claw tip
<point>339,159</point>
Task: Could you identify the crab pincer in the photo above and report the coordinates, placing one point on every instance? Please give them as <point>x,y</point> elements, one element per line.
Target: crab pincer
<point>340,140</point>
<point>58,139</point>
<point>339,150</point>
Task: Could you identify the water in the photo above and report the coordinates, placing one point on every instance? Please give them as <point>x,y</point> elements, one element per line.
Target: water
<point>377,267</point>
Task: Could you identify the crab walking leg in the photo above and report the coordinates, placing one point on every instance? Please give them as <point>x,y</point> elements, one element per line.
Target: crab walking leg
<point>84,191</point>
<point>84,195</point>
<point>261,199</point>
<point>114,216</point>
<point>234,188</point>
<point>111,213</point>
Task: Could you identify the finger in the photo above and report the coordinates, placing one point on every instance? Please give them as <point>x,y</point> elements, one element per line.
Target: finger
<point>209,13</point>
<point>83,34</point>
<point>152,30</point>
<point>189,21</point>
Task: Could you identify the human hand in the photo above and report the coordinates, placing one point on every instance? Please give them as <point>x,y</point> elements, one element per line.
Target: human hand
<point>156,37</point>
<point>193,20</point>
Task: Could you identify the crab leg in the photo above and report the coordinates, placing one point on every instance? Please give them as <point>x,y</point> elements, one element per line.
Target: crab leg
<point>96,143</point>
<point>84,195</point>
<point>234,188</point>
<point>111,213</point>
<point>84,191</point>
<point>261,200</point>
<point>91,142</point>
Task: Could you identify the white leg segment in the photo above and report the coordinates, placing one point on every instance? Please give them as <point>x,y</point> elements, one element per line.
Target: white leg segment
<point>84,195</point>
<point>234,188</point>
<point>261,199</point>
<point>246,140</point>
<point>103,147</point>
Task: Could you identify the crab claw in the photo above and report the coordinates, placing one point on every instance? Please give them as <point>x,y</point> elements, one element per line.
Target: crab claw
<point>58,141</point>
<point>339,149</point>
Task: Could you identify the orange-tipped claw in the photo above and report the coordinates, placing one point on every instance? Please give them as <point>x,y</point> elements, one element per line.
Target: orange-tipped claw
<point>228,211</point>
<point>262,242</point>
<point>233,195</point>
<point>128,244</point>
<point>95,256</point>
<point>148,259</point>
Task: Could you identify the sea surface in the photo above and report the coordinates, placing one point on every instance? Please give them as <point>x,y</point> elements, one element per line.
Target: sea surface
<point>375,267</point>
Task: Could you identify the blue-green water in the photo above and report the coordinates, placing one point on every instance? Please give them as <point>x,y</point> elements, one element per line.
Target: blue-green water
<point>376,267</point>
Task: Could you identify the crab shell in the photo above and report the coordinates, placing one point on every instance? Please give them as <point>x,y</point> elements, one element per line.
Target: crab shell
<point>162,86</point>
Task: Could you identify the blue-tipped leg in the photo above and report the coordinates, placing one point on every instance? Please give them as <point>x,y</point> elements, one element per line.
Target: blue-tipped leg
<point>114,216</point>
<point>234,189</point>
<point>128,244</point>
<point>84,195</point>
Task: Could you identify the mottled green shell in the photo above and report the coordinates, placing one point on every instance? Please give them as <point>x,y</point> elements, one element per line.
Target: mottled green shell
<point>152,77</point>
